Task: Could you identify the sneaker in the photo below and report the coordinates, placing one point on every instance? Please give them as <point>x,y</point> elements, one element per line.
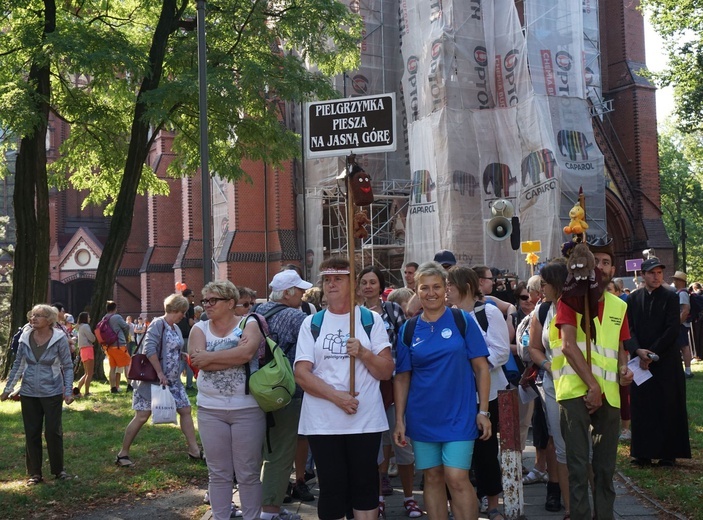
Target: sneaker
<point>412,509</point>
<point>129,388</point>
<point>114,390</point>
<point>535,476</point>
<point>287,515</point>
<point>689,375</point>
<point>301,492</point>
<point>235,512</point>
<point>309,475</point>
<point>382,510</point>
<point>392,468</point>
<point>386,488</point>
<point>626,435</point>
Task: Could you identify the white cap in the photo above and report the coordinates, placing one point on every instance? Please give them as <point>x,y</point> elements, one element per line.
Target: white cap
<point>287,279</point>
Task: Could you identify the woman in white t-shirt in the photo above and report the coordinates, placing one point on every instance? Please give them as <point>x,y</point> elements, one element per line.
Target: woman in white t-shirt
<point>231,424</point>
<point>344,430</point>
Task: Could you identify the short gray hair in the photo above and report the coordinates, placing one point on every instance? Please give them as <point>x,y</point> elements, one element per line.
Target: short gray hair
<point>176,303</point>
<point>430,269</point>
<point>533,283</point>
<point>277,296</point>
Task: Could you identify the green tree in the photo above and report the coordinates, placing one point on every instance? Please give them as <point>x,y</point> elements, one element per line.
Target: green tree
<point>680,24</point>
<point>120,72</point>
<point>682,195</point>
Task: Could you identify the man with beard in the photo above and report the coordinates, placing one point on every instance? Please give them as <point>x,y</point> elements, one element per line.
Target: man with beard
<point>659,417</point>
<point>589,396</point>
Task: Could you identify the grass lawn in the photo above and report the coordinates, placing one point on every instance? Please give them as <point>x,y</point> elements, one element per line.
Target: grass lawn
<point>680,489</point>
<point>93,430</point>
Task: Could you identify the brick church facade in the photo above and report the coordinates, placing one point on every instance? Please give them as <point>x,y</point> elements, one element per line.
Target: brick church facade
<point>255,223</point>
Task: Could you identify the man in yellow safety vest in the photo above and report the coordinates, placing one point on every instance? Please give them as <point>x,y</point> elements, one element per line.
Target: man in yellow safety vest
<point>589,396</point>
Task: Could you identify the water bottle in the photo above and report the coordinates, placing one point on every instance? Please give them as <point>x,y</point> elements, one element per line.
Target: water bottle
<point>525,342</point>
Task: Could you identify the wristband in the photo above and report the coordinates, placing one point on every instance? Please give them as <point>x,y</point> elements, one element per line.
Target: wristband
<point>541,365</point>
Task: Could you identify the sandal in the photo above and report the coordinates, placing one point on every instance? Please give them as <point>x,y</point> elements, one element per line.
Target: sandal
<point>124,461</point>
<point>382,510</point>
<point>412,509</point>
<point>63,476</point>
<point>201,456</point>
<point>34,480</point>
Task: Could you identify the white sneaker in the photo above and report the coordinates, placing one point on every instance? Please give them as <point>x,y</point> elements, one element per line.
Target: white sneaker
<point>626,435</point>
<point>392,468</point>
<point>235,511</point>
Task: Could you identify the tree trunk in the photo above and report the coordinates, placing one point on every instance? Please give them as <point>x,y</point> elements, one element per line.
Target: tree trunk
<point>31,202</point>
<point>139,143</point>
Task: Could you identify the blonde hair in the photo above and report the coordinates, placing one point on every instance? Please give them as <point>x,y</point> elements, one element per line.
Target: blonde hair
<point>176,303</point>
<point>222,288</point>
<point>51,312</point>
<point>430,269</point>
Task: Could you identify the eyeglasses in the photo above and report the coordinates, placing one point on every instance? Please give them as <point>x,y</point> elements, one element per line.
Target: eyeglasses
<point>524,297</point>
<point>39,316</point>
<point>486,277</point>
<point>246,305</point>
<point>211,301</point>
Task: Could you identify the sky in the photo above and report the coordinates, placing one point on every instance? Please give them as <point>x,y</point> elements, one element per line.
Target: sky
<point>656,61</point>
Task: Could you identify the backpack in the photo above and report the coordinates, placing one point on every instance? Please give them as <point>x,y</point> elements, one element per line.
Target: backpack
<point>15,343</point>
<point>366,322</point>
<point>273,385</point>
<point>524,327</point>
<point>510,368</point>
<point>104,332</point>
<point>696,307</point>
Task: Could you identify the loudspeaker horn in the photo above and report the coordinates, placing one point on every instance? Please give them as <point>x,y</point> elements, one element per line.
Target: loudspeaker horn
<point>499,228</point>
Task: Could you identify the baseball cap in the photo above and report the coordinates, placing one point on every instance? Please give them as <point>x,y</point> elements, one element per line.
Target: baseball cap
<point>445,257</point>
<point>651,263</point>
<point>287,279</point>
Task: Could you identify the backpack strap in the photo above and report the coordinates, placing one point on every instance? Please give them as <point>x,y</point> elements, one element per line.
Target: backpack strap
<point>316,324</point>
<point>305,307</point>
<point>409,330</point>
<point>366,320</point>
<point>544,311</point>
<point>247,368</point>
<point>481,318</point>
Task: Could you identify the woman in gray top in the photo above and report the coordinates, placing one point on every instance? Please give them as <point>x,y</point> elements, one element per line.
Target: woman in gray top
<point>162,345</point>
<point>44,363</point>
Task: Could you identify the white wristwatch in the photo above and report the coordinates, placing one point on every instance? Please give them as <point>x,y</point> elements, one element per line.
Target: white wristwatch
<point>487,414</point>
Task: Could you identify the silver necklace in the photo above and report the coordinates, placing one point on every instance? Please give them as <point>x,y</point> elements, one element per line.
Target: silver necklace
<point>430,323</point>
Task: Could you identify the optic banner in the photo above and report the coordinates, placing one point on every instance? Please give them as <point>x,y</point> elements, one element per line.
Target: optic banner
<point>555,47</point>
<point>422,233</point>
<point>579,159</point>
<point>507,53</point>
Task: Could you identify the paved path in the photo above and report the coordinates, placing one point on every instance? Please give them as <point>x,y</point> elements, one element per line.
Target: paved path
<point>628,504</point>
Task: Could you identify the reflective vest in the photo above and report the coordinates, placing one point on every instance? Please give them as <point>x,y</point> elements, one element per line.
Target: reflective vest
<point>604,354</point>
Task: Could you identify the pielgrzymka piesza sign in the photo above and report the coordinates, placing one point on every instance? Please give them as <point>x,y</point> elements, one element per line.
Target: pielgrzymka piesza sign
<point>364,124</point>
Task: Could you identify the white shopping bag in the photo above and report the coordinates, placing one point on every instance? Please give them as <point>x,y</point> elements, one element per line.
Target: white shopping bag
<point>163,405</point>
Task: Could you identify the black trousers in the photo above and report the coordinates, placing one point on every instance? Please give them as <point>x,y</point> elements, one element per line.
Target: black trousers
<point>347,471</point>
<point>43,413</point>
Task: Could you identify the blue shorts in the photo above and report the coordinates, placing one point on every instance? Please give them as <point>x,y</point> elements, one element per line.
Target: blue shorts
<point>455,454</point>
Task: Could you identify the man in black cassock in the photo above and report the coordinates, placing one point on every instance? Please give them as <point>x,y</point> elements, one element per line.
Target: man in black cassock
<point>659,417</point>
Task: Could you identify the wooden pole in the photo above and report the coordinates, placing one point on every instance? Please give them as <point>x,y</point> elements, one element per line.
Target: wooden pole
<point>587,309</point>
<point>352,274</point>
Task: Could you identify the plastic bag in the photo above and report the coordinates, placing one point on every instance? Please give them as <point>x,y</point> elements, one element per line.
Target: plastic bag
<point>163,406</point>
